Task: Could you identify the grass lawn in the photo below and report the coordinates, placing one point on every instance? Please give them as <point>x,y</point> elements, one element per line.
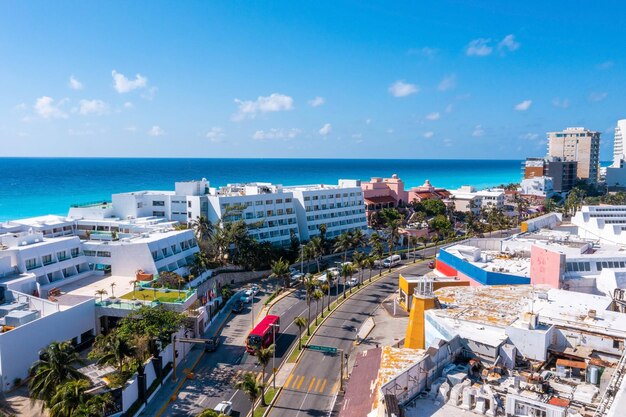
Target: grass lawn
<point>165,297</point>
<point>269,396</point>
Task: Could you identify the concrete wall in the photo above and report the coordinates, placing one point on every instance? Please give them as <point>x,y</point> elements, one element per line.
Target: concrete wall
<point>532,344</point>
<point>19,348</point>
<point>546,266</point>
<point>478,274</point>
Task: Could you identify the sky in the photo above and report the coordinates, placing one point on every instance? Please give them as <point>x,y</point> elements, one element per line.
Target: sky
<point>315,79</point>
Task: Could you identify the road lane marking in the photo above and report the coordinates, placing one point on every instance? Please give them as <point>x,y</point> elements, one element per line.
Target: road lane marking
<point>317,386</point>
<point>311,384</point>
<point>295,382</point>
<point>335,387</point>
<point>288,381</point>
<point>323,386</point>
<point>258,377</point>
<point>300,383</point>
<point>233,396</point>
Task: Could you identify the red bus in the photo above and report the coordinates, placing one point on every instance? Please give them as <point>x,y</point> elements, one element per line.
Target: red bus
<point>261,336</point>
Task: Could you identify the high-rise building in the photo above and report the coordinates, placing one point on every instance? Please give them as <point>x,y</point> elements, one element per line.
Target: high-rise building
<point>580,145</point>
<point>619,155</point>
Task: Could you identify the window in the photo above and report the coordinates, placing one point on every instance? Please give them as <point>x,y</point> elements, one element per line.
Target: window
<point>269,202</point>
<point>288,200</point>
<point>158,213</point>
<point>258,203</point>
<point>75,252</point>
<point>31,263</point>
<point>90,253</point>
<point>158,203</point>
<point>279,201</point>
<point>104,254</point>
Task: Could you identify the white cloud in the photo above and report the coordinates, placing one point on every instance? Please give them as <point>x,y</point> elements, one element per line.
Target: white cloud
<point>125,85</point>
<point>478,131</point>
<point>449,108</point>
<point>129,105</point>
<point>215,134</point>
<point>524,105</point>
<point>529,136</point>
<point>150,93</point>
<point>479,47</point>
<point>448,83</point>
<point>251,108</point>
<point>597,96</point>
<point>92,106</point>
<point>561,103</point>
<point>46,108</point>
<point>317,101</point>
<point>368,121</point>
<point>131,128</point>
<point>428,135</point>
<point>605,65</point>
<point>74,84</point>
<point>276,134</point>
<point>425,51</point>
<point>402,89</point>
<point>326,129</point>
<point>156,131</point>
<point>434,116</point>
<point>509,43</point>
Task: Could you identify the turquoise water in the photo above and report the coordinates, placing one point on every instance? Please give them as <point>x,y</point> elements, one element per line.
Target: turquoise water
<point>37,186</point>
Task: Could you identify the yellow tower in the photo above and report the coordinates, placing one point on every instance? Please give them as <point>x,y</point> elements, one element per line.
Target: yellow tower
<point>423,299</point>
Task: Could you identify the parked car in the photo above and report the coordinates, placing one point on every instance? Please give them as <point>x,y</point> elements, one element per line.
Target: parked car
<point>238,306</point>
<point>225,407</point>
<point>393,260</point>
<point>347,263</point>
<point>211,344</point>
<point>255,289</point>
<point>334,271</point>
<point>352,282</point>
<point>431,264</point>
<point>247,296</point>
<point>296,278</point>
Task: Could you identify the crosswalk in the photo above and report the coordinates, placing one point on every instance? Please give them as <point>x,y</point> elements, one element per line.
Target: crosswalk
<point>313,385</point>
<point>239,374</point>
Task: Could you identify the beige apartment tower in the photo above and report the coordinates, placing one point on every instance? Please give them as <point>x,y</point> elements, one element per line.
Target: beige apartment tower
<point>580,145</point>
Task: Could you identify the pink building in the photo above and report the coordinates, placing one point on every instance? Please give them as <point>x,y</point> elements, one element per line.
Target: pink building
<point>380,193</point>
<point>427,192</point>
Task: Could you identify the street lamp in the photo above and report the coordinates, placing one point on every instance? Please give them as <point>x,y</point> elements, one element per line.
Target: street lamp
<point>274,325</point>
<point>302,259</point>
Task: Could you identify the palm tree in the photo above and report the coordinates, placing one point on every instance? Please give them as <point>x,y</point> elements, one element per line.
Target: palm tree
<point>68,398</point>
<point>113,285</point>
<point>377,245</point>
<point>331,283</point>
<point>54,367</point>
<point>393,234</point>
<point>317,295</point>
<point>358,260</point>
<point>346,271</point>
<point>203,228</point>
<point>301,323</point>
<point>94,406</point>
<point>101,293</point>
<point>370,263</point>
<point>134,283</point>
<point>251,388</point>
<point>322,228</point>
<point>306,256</point>
<point>316,246</point>
<point>112,350</point>
<point>263,356</point>
<point>343,243</point>
<point>309,286</point>
<point>280,271</point>
<point>359,240</point>
<point>325,290</point>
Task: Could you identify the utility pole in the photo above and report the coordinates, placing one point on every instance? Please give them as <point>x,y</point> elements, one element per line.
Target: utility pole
<point>274,356</point>
<point>341,374</point>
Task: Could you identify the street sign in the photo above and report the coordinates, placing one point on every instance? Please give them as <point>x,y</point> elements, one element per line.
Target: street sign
<point>320,348</point>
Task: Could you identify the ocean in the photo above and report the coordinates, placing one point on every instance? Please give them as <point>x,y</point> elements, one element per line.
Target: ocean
<point>38,186</point>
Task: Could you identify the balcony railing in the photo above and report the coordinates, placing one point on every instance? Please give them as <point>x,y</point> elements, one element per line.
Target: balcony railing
<point>34,266</point>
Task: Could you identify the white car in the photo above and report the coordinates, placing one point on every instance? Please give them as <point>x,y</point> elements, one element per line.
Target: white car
<point>225,407</point>
<point>352,282</point>
<point>334,271</point>
<point>255,289</point>
<point>247,296</point>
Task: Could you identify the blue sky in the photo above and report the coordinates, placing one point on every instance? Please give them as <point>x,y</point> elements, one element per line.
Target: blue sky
<point>440,79</point>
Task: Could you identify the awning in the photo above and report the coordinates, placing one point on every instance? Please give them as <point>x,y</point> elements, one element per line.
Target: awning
<point>380,200</point>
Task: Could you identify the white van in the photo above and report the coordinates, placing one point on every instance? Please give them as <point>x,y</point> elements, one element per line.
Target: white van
<point>393,260</point>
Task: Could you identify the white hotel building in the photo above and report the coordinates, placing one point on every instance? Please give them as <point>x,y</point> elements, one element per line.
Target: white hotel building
<point>274,212</point>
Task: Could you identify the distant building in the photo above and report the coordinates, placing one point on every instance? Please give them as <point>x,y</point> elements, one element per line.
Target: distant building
<point>539,186</point>
<point>427,192</point>
<point>616,173</point>
<point>580,145</point>
<point>273,213</point>
<point>467,198</point>
<point>380,193</point>
<point>563,173</point>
